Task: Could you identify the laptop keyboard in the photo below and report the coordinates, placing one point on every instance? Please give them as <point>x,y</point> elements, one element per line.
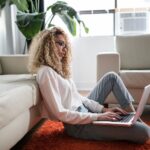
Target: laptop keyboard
<point>126,118</point>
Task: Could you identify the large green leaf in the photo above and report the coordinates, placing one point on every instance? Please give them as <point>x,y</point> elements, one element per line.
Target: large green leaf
<point>70,22</point>
<point>68,15</point>
<point>2,3</point>
<point>71,12</point>
<point>59,7</point>
<point>56,3</point>
<point>22,5</point>
<point>75,15</point>
<point>30,23</point>
<point>86,29</point>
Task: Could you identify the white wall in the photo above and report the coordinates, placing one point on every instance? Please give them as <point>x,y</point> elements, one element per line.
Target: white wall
<point>85,50</point>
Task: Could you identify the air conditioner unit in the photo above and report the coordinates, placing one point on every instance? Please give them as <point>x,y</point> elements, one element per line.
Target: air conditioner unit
<point>133,22</point>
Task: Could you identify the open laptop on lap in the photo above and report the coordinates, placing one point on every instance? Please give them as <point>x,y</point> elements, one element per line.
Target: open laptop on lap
<point>131,118</point>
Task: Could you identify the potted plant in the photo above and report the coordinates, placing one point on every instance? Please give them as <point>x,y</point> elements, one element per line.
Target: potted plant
<point>30,20</point>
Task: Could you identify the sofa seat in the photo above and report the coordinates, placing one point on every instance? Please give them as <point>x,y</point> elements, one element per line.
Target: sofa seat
<point>22,79</point>
<point>19,100</point>
<point>135,78</point>
<point>18,93</point>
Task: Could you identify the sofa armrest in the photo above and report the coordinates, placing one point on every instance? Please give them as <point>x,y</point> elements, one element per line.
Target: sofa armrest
<point>107,62</point>
<point>14,64</point>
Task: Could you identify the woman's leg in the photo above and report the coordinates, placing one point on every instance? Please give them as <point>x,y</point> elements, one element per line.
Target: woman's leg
<point>112,82</point>
<point>139,132</point>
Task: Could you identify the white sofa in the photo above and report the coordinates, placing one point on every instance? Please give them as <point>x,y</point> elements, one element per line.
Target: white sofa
<point>19,99</point>
<point>131,61</point>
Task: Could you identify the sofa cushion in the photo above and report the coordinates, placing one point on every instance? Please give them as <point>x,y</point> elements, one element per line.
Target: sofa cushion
<point>17,97</point>
<point>23,79</point>
<point>14,64</point>
<point>135,78</point>
<point>16,78</point>
<point>134,51</point>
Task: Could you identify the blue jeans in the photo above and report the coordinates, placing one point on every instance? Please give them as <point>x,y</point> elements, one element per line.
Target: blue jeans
<point>139,132</point>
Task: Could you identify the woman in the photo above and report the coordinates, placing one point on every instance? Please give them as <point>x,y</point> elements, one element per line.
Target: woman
<point>50,57</point>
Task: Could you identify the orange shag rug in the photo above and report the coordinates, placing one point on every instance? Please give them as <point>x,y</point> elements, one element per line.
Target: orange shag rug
<point>50,136</point>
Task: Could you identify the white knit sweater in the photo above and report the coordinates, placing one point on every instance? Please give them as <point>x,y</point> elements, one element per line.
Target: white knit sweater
<point>61,98</point>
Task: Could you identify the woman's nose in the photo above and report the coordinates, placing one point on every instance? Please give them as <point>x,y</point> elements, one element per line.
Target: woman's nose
<point>64,49</point>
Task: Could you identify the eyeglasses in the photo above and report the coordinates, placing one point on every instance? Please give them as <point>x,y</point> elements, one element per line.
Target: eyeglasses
<point>61,43</point>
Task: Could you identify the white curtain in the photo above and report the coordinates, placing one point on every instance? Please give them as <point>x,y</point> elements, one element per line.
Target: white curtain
<point>11,40</point>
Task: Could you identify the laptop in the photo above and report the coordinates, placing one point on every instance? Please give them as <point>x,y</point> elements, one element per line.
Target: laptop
<point>130,118</point>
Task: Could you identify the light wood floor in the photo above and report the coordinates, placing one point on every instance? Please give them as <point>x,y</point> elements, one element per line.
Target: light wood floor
<point>84,93</point>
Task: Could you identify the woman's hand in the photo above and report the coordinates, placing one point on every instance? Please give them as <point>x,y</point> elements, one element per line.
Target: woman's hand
<point>109,114</point>
<point>115,110</point>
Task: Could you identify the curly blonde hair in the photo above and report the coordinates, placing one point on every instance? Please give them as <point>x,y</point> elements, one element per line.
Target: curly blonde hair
<point>43,52</point>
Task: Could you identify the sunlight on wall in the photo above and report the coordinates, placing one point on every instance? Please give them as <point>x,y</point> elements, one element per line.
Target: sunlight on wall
<point>85,50</point>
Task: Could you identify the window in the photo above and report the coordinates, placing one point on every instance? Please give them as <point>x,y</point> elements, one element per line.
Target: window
<point>97,16</point>
<point>133,3</point>
<point>111,17</point>
<point>98,24</point>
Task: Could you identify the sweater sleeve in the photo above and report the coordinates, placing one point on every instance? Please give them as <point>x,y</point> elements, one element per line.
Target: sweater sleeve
<point>89,103</point>
<point>49,87</point>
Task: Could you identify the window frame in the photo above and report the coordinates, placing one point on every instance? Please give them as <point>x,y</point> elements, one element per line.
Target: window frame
<point>107,11</point>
